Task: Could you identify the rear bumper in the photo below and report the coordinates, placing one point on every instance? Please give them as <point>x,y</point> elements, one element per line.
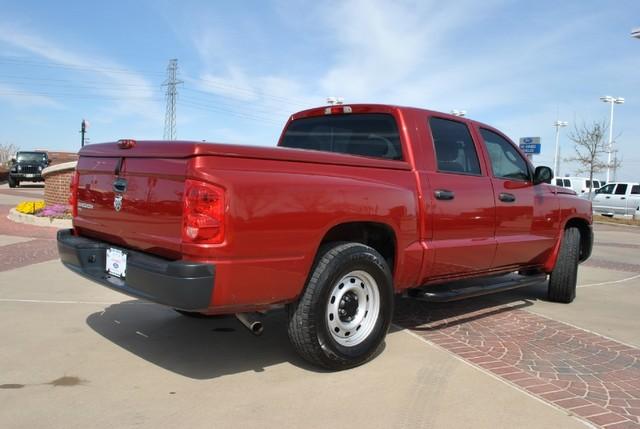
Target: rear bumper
<point>179,284</point>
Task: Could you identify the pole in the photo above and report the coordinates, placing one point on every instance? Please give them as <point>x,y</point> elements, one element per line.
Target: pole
<point>83,130</point>
<point>556,164</point>
<point>610,147</point>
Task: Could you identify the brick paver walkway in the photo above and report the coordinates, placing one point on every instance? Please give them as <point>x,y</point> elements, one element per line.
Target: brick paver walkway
<point>42,246</point>
<point>589,375</point>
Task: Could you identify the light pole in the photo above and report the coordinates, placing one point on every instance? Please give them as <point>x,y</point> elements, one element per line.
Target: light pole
<point>612,101</point>
<point>456,112</point>
<point>556,159</point>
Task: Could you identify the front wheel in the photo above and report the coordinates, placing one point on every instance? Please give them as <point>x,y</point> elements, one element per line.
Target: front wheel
<point>13,182</point>
<point>563,278</point>
<point>343,316</point>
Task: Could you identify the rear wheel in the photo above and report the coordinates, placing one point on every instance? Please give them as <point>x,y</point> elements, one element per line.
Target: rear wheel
<point>563,278</point>
<point>343,316</point>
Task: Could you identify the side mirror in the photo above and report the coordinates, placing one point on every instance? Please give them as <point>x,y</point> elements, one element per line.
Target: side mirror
<point>13,160</point>
<point>48,162</point>
<point>542,175</point>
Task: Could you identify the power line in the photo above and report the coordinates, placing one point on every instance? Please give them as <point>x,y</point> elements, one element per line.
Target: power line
<point>172,95</point>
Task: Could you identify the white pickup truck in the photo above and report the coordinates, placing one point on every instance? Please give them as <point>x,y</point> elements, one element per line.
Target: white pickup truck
<point>617,198</point>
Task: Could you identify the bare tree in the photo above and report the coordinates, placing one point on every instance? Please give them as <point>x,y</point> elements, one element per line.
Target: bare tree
<point>590,147</point>
<point>7,151</point>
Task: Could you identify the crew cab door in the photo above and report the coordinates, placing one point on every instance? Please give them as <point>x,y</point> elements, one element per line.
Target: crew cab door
<point>459,201</point>
<point>526,221</point>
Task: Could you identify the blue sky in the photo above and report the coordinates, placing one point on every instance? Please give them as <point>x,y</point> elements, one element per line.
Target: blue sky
<point>517,65</point>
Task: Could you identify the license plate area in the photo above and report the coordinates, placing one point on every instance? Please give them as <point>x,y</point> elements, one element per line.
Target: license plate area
<point>116,262</point>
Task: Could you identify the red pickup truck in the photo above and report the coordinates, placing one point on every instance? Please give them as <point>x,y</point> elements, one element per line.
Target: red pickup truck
<point>356,204</point>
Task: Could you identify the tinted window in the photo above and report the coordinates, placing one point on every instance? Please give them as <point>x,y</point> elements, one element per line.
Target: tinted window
<point>596,184</point>
<point>635,189</point>
<point>454,147</point>
<point>567,183</point>
<point>588,183</point>
<point>558,182</point>
<point>606,189</point>
<point>621,189</point>
<point>506,162</point>
<point>370,134</point>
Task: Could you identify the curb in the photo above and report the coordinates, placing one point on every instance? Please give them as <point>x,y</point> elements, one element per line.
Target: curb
<point>16,216</point>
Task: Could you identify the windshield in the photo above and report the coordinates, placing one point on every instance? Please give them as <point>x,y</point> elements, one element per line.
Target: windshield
<point>31,157</point>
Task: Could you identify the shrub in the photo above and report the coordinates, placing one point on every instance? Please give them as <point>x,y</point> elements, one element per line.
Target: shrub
<point>30,207</point>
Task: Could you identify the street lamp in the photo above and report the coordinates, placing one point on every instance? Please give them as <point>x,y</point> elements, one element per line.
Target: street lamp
<point>556,159</point>
<point>611,100</point>
<point>457,112</point>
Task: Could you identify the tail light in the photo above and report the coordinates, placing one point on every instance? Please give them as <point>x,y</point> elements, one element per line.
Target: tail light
<point>73,193</point>
<point>203,213</point>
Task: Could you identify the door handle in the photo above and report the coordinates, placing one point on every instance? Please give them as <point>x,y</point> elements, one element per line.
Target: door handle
<point>506,197</point>
<point>443,194</point>
<point>623,198</point>
<point>607,197</point>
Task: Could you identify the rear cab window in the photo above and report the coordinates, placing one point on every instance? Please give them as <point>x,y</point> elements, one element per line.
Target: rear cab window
<point>454,147</point>
<point>365,134</point>
<point>635,190</point>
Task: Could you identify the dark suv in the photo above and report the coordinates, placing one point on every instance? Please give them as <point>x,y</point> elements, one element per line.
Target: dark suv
<point>27,167</point>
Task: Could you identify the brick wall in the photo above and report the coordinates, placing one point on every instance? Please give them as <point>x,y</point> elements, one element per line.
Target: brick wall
<point>56,183</point>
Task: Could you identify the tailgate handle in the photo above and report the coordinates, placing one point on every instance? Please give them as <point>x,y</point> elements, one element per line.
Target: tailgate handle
<point>120,185</point>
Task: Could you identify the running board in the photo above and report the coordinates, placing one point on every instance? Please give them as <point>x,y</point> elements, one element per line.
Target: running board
<point>454,291</point>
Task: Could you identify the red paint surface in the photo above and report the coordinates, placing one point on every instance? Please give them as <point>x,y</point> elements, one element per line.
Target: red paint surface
<point>281,203</point>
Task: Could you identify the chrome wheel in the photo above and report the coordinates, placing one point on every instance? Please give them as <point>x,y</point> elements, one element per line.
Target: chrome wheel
<point>353,308</point>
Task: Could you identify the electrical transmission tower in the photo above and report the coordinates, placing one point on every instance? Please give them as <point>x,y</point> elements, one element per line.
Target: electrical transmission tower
<point>171,83</point>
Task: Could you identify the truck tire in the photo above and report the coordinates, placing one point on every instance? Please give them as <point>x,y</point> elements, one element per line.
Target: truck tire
<point>13,182</point>
<point>344,313</point>
<point>563,278</point>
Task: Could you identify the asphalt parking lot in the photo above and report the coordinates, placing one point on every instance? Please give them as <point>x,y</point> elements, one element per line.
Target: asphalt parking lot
<point>76,355</point>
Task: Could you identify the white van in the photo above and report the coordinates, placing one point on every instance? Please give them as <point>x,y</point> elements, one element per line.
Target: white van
<point>617,198</point>
<point>580,185</point>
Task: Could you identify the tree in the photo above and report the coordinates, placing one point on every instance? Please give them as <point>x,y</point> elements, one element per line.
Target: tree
<point>7,151</point>
<point>590,146</point>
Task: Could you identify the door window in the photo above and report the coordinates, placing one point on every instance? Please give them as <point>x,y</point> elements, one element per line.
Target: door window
<point>455,150</point>
<point>567,183</point>
<point>635,189</point>
<point>621,189</point>
<point>506,161</point>
<point>558,182</point>
<point>607,190</point>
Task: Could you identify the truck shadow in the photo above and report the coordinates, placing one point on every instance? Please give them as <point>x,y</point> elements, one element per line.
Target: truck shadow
<point>205,348</point>
<point>427,316</point>
<point>199,348</point>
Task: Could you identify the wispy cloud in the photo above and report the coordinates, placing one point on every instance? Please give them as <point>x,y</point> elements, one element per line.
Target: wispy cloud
<point>138,102</point>
<point>22,98</point>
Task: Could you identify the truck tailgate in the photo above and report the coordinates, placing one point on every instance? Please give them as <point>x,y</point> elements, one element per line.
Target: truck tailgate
<point>146,216</point>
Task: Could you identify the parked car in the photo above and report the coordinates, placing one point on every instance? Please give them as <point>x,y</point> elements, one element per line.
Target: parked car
<point>27,167</point>
<point>357,203</point>
<point>580,185</point>
<point>617,198</point>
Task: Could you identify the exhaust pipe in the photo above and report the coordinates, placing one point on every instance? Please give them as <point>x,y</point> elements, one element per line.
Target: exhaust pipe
<point>250,322</point>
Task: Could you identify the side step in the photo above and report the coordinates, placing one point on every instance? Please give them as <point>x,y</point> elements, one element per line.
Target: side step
<point>454,291</point>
